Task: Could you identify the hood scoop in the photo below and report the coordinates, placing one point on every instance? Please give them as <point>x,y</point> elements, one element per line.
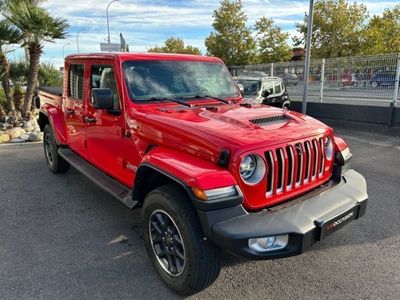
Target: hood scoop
<point>268,120</point>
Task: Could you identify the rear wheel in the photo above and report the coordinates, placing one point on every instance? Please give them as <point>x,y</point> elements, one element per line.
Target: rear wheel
<point>374,84</point>
<point>54,161</point>
<point>174,240</point>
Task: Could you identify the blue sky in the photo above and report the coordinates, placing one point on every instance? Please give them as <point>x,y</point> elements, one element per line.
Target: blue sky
<point>148,23</point>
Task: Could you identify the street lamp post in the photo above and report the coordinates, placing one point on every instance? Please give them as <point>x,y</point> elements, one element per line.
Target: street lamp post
<point>308,55</point>
<point>108,22</point>
<point>77,38</point>
<point>64,48</point>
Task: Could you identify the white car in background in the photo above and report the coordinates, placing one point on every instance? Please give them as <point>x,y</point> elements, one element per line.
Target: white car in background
<point>264,90</point>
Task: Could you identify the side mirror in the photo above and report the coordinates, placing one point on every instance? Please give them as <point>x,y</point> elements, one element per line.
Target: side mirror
<point>265,94</point>
<point>102,98</point>
<point>241,88</point>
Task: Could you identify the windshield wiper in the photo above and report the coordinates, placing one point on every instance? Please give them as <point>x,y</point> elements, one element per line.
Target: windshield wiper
<point>207,96</point>
<point>172,100</point>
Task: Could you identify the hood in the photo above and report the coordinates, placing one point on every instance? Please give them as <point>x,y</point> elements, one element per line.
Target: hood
<point>250,98</point>
<point>237,128</point>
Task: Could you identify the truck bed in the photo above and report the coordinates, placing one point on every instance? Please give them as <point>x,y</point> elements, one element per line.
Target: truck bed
<point>50,95</point>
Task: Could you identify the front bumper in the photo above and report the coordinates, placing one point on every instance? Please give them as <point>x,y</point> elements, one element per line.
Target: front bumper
<point>302,219</point>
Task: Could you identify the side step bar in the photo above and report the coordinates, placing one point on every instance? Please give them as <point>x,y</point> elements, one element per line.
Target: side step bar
<point>118,190</point>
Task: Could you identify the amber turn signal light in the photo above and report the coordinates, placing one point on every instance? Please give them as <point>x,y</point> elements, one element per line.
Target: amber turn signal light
<point>200,194</point>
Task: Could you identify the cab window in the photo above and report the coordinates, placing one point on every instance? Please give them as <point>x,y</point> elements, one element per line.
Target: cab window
<point>76,75</point>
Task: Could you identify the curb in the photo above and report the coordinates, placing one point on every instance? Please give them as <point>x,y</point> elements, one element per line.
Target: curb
<point>23,144</point>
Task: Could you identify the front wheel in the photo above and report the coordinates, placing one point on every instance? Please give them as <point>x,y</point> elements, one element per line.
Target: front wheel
<point>174,240</point>
<point>374,84</point>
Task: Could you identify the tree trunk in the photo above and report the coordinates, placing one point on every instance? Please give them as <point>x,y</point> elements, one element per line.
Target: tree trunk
<point>5,81</point>
<point>18,98</point>
<point>35,51</point>
<point>26,50</point>
<point>2,114</point>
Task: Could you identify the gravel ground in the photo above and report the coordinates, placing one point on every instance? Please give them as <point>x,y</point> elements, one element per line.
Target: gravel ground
<point>62,237</point>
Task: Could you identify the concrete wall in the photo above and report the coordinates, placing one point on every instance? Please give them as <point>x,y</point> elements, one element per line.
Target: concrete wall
<point>359,113</point>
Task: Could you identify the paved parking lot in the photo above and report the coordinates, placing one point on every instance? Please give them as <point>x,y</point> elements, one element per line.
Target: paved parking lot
<point>381,96</point>
<point>63,238</point>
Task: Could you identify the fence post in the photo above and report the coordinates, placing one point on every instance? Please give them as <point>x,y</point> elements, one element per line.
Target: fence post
<point>396,84</point>
<point>322,80</point>
<point>395,93</point>
<point>272,69</point>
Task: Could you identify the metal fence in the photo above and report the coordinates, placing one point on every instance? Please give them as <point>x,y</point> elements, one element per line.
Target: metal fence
<point>363,80</point>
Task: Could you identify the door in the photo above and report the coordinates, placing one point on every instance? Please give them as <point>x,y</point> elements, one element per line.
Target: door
<point>74,108</point>
<point>105,135</point>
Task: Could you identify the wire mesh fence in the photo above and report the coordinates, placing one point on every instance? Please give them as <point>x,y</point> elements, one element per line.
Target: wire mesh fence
<point>363,80</point>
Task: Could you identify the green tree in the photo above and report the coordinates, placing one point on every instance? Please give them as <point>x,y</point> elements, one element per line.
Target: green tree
<point>382,34</point>
<point>8,36</point>
<point>338,29</point>
<point>36,26</point>
<point>231,39</point>
<point>271,42</point>
<point>175,45</point>
<point>19,70</point>
<point>49,75</point>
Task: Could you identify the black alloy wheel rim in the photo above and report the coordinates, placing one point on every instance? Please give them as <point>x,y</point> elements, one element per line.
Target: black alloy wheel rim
<point>48,148</point>
<point>167,242</point>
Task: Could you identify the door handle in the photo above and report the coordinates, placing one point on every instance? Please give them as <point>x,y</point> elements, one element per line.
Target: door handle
<point>69,111</point>
<point>89,119</point>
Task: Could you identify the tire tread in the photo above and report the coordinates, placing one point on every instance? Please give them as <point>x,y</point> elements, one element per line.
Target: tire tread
<point>208,258</point>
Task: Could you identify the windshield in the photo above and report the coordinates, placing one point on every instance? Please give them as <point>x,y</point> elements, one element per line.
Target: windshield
<point>251,87</point>
<point>152,80</point>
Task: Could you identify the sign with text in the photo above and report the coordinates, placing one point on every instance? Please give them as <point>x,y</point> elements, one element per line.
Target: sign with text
<point>112,47</point>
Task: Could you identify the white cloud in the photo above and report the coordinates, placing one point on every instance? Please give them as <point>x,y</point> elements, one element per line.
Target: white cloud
<point>147,23</point>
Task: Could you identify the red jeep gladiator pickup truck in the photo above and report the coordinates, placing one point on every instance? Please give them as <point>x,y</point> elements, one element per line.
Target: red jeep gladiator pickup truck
<point>170,134</point>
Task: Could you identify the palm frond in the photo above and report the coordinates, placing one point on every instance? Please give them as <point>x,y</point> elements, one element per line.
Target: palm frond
<point>35,23</point>
<point>9,34</point>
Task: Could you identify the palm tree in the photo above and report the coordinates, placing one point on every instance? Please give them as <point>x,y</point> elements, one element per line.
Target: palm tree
<point>36,26</point>
<point>2,114</point>
<point>8,35</point>
<point>19,70</point>
<point>49,75</point>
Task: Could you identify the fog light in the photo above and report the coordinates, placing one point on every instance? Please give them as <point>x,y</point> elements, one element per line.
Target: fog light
<point>269,243</point>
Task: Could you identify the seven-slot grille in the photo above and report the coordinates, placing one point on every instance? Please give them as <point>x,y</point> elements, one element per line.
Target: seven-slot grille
<point>295,165</point>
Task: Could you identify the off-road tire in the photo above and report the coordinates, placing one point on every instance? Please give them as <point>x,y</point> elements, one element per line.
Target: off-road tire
<point>54,161</point>
<point>202,259</point>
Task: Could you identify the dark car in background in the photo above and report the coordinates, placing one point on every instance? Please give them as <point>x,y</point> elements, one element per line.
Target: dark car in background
<point>387,78</point>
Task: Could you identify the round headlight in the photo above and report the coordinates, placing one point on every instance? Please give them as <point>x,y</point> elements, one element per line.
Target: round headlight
<point>252,169</point>
<point>328,148</point>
